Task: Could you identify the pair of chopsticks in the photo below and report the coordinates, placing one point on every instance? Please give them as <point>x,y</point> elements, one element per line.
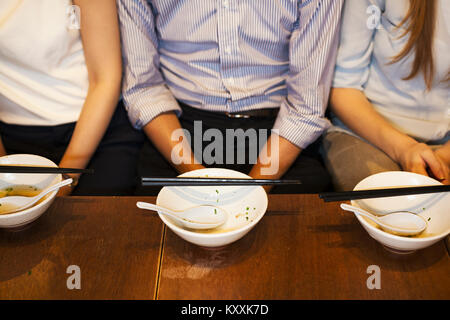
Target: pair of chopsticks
<point>326,196</point>
<point>40,170</point>
<point>204,181</point>
<point>381,193</point>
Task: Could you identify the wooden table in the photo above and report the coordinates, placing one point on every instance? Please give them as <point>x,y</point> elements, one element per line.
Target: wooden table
<point>303,248</point>
<point>116,247</point>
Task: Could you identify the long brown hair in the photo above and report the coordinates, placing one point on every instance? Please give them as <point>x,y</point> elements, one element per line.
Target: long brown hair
<point>419,24</point>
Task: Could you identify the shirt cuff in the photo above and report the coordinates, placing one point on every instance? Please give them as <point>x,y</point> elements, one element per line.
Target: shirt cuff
<point>350,78</point>
<point>300,129</point>
<point>145,105</point>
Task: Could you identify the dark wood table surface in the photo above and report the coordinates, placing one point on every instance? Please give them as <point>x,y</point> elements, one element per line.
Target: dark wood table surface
<point>303,248</point>
<point>116,246</point>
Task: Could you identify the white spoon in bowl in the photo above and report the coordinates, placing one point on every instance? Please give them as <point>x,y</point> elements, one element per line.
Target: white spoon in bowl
<point>19,203</point>
<point>401,223</point>
<point>200,217</point>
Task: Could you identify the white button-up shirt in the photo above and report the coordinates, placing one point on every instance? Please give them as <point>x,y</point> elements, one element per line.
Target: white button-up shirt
<point>231,56</point>
<point>364,53</point>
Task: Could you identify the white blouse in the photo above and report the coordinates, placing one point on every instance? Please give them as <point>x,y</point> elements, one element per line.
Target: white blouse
<point>43,74</point>
<point>362,63</point>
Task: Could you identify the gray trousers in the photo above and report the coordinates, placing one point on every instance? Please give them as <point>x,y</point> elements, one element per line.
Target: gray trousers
<point>350,159</point>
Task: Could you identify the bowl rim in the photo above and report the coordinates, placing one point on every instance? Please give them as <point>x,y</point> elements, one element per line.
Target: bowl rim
<point>406,173</point>
<point>39,205</point>
<point>220,234</point>
<point>390,235</point>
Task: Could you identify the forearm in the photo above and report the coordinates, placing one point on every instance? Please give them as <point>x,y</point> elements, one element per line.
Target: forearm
<point>354,109</point>
<point>270,164</point>
<point>94,119</point>
<point>101,45</point>
<point>161,131</point>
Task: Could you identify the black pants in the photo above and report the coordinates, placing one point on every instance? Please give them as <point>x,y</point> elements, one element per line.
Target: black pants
<point>114,162</point>
<point>308,166</point>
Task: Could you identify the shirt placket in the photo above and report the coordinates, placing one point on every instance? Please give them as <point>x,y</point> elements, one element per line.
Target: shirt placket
<point>227,30</point>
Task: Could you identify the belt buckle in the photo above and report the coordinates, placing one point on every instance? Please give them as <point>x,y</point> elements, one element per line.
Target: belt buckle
<point>237,115</point>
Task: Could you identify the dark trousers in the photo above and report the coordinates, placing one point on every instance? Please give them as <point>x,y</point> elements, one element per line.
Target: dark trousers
<point>308,166</point>
<point>114,162</point>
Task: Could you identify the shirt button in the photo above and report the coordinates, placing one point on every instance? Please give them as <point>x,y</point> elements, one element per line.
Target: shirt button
<point>225,3</point>
<point>228,50</point>
<point>231,80</point>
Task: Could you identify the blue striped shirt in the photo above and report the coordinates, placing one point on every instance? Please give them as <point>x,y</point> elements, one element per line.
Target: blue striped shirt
<point>231,56</point>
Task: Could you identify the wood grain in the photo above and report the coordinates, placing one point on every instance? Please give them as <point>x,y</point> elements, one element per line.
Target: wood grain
<point>115,244</point>
<point>302,249</point>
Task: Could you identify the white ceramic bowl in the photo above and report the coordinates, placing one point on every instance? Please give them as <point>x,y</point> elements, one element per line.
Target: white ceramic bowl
<point>435,208</point>
<point>40,181</point>
<point>240,202</point>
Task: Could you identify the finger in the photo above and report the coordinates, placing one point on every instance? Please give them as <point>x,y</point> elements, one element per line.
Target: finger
<point>445,169</point>
<point>433,163</point>
<point>419,166</point>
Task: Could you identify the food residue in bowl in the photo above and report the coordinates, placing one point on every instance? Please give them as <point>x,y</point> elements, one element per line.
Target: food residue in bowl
<point>17,190</point>
<point>6,208</point>
<point>20,190</point>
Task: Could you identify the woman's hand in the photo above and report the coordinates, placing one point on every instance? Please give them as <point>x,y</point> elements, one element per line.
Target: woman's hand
<point>443,155</point>
<point>420,158</point>
<point>67,190</point>
<point>369,124</point>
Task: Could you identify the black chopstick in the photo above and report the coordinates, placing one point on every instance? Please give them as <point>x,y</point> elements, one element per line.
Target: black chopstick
<point>381,193</point>
<point>37,169</point>
<point>201,181</point>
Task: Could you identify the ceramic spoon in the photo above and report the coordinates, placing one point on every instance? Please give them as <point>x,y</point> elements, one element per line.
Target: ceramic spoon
<point>401,223</point>
<point>19,203</point>
<point>199,217</point>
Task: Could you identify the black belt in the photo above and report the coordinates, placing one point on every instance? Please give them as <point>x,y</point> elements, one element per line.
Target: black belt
<point>257,113</point>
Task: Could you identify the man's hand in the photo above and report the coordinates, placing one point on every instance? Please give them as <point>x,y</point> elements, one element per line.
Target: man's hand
<point>270,159</point>
<point>420,158</point>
